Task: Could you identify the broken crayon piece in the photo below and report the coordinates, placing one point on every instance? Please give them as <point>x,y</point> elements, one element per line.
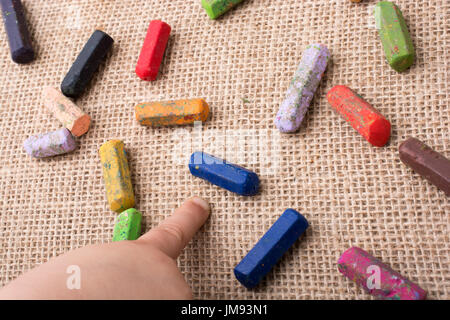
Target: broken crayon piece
<point>397,43</point>
<point>17,31</point>
<point>50,144</point>
<point>377,278</point>
<point>272,246</point>
<point>128,225</point>
<point>216,8</point>
<point>116,175</point>
<point>430,164</point>
<point>226,175</point>
<point>303,86</point>
<point>86,64</point>
<point>169,113</point>
<point>364,118</point>
<point>67,112</point>
<point>152,51</point>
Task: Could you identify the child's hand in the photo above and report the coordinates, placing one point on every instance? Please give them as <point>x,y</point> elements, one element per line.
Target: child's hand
<point>142,269</point>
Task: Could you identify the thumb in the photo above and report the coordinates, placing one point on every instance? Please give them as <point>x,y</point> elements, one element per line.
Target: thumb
<point>174,233</point>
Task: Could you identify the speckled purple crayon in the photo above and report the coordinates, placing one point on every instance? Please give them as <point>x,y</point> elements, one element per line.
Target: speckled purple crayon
<point>302,88</point>
<point>377,278</point>
<point>50,144</point>
<point>16,28</point>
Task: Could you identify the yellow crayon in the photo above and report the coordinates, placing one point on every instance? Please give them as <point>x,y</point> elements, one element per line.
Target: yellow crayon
<point>116,175</point>
<point>168,113</point>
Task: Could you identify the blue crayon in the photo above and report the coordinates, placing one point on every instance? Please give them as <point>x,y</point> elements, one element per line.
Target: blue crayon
<point>17,31</point>
<point>270,248</point>
<point>223,174</point>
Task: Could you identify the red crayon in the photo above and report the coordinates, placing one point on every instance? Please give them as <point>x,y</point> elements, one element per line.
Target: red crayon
<point>152,51</point>
<point>361,115</point>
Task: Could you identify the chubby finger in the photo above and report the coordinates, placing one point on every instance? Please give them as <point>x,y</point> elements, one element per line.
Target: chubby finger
<point>174,233</point>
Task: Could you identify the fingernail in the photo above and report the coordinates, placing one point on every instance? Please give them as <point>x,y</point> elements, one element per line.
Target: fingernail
<point>202,203</point>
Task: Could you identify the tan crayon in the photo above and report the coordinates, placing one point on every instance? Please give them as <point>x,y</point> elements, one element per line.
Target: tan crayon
<point>67,112</point>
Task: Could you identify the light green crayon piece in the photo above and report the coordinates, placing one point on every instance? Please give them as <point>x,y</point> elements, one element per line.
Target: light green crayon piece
<point>128,225</point>
<point>397,43</point>
<point>216,8</point>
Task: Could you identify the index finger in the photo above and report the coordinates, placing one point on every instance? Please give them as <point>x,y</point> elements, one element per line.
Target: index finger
<point>174,233</point>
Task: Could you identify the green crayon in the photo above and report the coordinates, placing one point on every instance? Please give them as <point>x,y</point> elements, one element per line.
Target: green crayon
<point>397,44</point>
<point>128,225</point>
<point>215,8</point>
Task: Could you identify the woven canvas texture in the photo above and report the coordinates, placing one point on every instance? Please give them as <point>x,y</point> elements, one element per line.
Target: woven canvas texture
<point>352,194</point>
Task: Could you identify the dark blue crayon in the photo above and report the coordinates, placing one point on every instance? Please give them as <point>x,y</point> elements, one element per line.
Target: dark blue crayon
<point>270,248</point>
<point>17,31</point>
<point>86,64</point>
<point>223,174</point>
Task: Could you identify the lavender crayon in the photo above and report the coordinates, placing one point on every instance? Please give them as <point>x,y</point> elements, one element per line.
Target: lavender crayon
<point>50,144</point>
<point>302,88</point>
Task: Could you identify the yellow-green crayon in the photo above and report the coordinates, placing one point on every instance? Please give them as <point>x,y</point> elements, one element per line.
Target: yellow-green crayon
<point>216,8</point>
<point>128,225</point>
<point>397,43</point>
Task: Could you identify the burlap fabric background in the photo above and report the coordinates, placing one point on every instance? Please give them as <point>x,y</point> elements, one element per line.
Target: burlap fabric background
<point>351,193</point>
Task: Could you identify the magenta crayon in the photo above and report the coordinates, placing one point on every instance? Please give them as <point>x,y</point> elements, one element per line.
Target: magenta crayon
<point>377,278</point>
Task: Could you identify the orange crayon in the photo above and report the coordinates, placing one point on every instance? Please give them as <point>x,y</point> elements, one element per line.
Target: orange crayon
<point>67,112</point>
<point>169,113</point>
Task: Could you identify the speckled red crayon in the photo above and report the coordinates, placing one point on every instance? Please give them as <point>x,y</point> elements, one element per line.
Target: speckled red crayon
<point>361,115</point>
<point>152,52</point>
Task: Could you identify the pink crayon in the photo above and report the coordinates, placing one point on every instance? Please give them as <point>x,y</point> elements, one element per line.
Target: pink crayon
<point>377,278</point>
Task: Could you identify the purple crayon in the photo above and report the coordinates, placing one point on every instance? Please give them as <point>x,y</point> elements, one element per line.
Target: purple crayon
<point>16,28</point>
<point>50,144</point>
<point>302,88</point>
<point>377,278</point>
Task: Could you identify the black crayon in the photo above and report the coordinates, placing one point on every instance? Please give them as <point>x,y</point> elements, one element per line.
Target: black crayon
<point>17,31</point>
<point>86,64</point>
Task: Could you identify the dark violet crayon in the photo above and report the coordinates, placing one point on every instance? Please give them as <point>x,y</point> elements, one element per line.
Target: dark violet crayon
<point>16,28</point>
<point>272,246</point>
<point>223,174</point>
<point>426,162</point>
<point>86,64</point>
